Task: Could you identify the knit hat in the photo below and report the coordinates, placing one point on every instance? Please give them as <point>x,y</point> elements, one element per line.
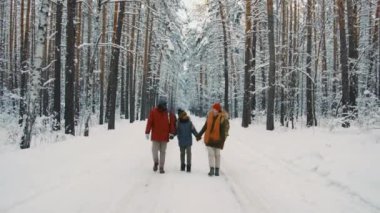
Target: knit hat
<point>217,107</point>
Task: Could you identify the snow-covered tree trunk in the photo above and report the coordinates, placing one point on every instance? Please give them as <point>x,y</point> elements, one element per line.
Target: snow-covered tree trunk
<point>310,100</point>
<point>92,62</point>
<point>344,63</point>
<point>32,97</point>
<point>225,56</point>
<point>24,59</point>
<point>353,54</point>
<point>284,58</point>
<point>57,72</point>
<point>130,68</point>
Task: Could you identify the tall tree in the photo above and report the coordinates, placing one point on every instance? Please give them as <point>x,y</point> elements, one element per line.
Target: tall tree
<point>225,56</point>
<point>246,117</point>
<point>310,104</point>
<point>112,82</point>
<point>132,65</point>
<point>24,57</point>
<point>70,68</point>
<point>57,68</point>
<point>102,65</point>
<point>353,53</point>
<point>35,74</point>
<point>144,91</point>
<point>324,61</point>
<point>272,67</point>
<point>284,59</point>
<point>344,64</point>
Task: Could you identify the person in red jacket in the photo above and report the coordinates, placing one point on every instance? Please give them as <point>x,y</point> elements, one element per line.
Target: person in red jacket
<point>161,125</point>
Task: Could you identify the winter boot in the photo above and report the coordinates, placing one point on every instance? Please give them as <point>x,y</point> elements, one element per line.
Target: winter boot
<point>183,167</point>
<point>216,171</point>
<point>162,171</point>
<point>211,173</point>
<point>188,168</point>
<point>155,167</point>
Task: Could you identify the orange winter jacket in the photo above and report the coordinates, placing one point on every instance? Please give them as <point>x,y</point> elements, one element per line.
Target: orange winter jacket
<point>214,136</point>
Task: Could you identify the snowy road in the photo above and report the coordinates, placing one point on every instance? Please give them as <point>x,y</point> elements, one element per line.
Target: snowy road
<point>112,172</point>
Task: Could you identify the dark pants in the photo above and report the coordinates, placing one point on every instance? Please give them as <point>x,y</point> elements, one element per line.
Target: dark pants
<point>185,150</point>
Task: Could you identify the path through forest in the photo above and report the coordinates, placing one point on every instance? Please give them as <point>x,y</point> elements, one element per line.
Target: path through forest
<point>111,171</point>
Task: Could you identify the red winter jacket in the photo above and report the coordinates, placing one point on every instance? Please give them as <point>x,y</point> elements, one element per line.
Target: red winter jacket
<point>162,123</point>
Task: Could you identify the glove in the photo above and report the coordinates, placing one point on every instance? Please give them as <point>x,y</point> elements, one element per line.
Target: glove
<point>147,136</point>
<point>171,136</point>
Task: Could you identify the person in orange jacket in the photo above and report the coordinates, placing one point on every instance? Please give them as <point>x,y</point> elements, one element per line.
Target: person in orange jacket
<point>161,124</point>
<point>216,131</point>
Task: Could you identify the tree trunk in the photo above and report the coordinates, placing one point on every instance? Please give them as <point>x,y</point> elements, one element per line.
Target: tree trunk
<point>324,62</point>
<point>284,53</point>
<point>334,81</point>
<point>112,83</point>
<point>70,68</point>
<point>344,64</point>
<point>291,64</point>
<point>225,56</point>
<point>272,67</point>
<point>126,68</point>
<point>310,115</point>
<point>247,68</point>
<point>10,44</point>
<point>114,27</point>
<point>144,92</point>
<point>24,56</point>
<point>102,65</point>
<point>252,84</point>
<point>131,66</point>
<point>78,61</point>
<point>353,54</point>
<point>57,70</point>
<point>32,97</point>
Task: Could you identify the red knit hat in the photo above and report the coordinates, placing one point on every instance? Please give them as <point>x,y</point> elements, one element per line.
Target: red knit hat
<point>217,107</point>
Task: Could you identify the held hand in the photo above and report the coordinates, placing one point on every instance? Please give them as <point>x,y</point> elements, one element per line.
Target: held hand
<point>171,136</point>
<point>147,136</point>
<point>198,138</point>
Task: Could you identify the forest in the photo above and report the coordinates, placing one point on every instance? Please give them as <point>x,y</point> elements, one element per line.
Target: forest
<point>67,65</point>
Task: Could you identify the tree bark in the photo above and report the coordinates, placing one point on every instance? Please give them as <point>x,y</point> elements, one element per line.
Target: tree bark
<point>310,115</point>
<point>102,66</point>
<point>144,91</point>
<point>284,58</point>
<point>353,54</point>
<point>32,97</point>
<point>272,68</point>
<point>344,64</point>
<point>70,68</point>
<point>246,117</point>
<point>57,70</point>
<point>112,83</point>
<point>225,56</point>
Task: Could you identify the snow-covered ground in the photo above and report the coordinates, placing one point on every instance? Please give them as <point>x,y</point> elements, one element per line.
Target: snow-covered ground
<point>304,170</point>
